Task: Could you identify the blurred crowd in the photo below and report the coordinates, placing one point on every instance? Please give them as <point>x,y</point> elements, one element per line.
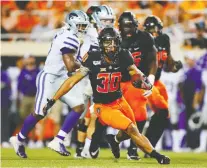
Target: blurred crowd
<point>187,89</point>
<point>42,16</point>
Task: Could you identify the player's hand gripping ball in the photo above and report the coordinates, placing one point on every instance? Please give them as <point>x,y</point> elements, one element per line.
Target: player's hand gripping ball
<point>141,81</point>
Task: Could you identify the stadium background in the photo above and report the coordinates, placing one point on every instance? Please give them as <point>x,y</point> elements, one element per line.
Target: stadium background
<point>27,28</point>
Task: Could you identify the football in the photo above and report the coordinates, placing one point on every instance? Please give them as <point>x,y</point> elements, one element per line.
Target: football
<point>136,80</point>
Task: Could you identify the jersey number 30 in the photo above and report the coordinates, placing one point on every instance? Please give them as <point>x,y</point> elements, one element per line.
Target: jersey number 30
<point>110,82</point>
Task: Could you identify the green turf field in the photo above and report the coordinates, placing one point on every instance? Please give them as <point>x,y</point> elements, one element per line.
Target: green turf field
<point>47,158</point>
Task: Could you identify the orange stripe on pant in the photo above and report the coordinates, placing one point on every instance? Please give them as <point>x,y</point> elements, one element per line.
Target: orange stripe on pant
<point>117,114</point>
<point>135,99</point>
<point>159,97</point>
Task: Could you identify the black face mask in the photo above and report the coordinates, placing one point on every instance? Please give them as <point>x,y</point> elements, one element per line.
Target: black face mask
<point>112,48</point>
<point>127,30</point>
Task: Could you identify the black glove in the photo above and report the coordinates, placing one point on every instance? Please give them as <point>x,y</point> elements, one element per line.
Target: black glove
<point>178,65</point>
<point>50,103</point>
<point>144,83</point>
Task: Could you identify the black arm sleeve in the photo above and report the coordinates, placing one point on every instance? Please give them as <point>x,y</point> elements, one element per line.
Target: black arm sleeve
<point>148,42</point>
<point>126,59</point>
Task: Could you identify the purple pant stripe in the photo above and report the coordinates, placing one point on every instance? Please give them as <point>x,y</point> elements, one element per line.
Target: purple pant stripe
<point>43,84</point>
<point>38,88</point>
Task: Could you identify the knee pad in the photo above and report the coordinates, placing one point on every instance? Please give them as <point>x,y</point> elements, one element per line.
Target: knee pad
<point>81,126</point>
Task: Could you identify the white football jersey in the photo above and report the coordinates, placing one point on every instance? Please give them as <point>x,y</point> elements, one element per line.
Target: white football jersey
<point>171,81</point>
<point>90,41</point>
<point>64,42</point>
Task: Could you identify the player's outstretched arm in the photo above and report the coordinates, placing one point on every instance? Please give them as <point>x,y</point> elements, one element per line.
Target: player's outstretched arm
<point>139,80</point>
<point>66,87</point>
<point>70,62</point>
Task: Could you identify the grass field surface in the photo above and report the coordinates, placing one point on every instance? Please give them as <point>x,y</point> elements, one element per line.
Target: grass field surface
<point>47,158</point>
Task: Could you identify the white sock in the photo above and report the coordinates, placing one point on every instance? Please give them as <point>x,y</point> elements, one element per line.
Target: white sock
<point>61,135</point>
<point>177,136</point>
<point>87,144</point>
<point>176,139</point>
<point>203,139</point>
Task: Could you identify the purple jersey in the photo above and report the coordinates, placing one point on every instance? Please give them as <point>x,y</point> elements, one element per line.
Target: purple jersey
<point>202,62</point>
<point>193,79</point>
<point>27,82</point>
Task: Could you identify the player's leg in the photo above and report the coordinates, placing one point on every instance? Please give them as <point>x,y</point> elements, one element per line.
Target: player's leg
<point>82,129</point>
<point>44,90</point>
<point>203,134</point>
<point>137,102</point>
<point>75,100</point>
<point>159,103</point>
<point>132,149</point>
<point>95,139</point>
<point>131,129</point>
<point>91,128</point>
<point>83,124</point>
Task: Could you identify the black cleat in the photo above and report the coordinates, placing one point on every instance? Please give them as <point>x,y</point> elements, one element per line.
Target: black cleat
<point>79,149</point>
<point>94,153</point>
<point>163,160</point>
<point>132,154</point>
<point>114,145</point>
<point>94,149</point>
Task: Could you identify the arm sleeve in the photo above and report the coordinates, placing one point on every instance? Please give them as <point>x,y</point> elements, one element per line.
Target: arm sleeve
<point>126,59</point>
<point>148,42</point>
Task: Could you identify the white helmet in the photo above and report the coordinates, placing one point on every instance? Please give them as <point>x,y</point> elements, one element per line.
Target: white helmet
<point>77,21</point>
<point>102,13</point>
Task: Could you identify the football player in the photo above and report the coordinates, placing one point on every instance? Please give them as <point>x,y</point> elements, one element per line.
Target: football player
<point>159,120</point>
<point>105,69</point>
<point>141,45</point>
<point>99,17</point>
<point>63,58</point>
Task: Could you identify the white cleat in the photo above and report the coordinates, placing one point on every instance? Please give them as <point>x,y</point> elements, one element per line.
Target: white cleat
<point>200,150</point>
<point>59,147</point>
<point>86,154</point>
<point>18,147</point>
